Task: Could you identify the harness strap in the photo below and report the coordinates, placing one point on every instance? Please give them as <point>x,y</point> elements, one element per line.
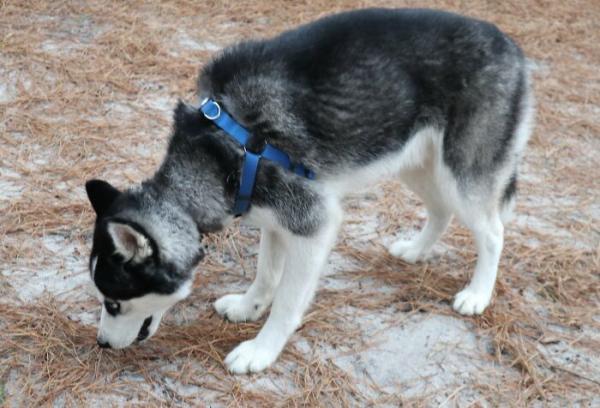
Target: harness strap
<point>212,111</point>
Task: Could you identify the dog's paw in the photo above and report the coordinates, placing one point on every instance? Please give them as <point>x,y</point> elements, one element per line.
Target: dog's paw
<point>238,308</point>
<point>407,251</point>
<point>470,302</point>
<point>250,357</point>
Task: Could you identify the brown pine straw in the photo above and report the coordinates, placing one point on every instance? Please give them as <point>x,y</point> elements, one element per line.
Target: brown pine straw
<point>90,86</point>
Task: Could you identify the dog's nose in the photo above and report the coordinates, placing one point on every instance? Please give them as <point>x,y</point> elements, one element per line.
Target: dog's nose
<point>144,331</point>
<point>103,344</point>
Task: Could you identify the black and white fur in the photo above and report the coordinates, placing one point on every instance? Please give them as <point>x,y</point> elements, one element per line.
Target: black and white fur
<point>439,100</point>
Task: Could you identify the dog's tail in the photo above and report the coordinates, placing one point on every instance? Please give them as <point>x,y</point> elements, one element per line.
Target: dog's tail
<point>507,202</point>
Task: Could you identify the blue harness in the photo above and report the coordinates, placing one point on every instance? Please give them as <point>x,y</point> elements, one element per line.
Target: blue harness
<point>213,112</point>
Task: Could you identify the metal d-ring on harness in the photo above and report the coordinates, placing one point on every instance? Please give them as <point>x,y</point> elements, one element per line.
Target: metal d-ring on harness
<point>212,111</point>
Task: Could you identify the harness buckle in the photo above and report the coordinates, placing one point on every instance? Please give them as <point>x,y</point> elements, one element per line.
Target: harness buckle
<point>212,110</point>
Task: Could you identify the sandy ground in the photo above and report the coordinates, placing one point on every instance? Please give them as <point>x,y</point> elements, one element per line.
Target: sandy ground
<point>87,91</point>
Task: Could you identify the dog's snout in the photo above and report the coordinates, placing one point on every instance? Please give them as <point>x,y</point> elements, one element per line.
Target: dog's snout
<point>103,344</point>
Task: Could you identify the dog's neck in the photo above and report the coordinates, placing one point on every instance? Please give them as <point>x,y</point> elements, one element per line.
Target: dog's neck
<point>193,197</point>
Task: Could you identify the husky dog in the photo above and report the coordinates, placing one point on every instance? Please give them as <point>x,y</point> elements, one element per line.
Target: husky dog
<point>441,101</point>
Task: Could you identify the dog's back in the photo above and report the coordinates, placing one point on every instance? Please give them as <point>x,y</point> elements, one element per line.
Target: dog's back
<point>349,88</point>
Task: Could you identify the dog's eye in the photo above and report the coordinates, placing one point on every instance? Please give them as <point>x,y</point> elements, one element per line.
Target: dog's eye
<point>112,308</point>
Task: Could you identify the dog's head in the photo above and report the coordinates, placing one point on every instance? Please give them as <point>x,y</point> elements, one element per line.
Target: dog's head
<point>141,262</point>
<point>147,239</point>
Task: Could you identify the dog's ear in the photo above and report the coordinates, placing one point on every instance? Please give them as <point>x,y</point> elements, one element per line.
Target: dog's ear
<point>129,243</point>
<point>101,195</point>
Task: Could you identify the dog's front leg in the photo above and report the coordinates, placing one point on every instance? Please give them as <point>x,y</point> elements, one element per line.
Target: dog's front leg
<point>304,260</point>
<point>251,305</point>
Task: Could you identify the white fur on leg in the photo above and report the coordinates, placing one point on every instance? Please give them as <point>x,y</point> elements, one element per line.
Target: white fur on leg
<point>250,357</point>
<point>304,260</point>
<point>407,250</point>
<point>424,183</point>
<point>239,308</point>
<point>471,301</point>
<point>489,238</point>
<point>420,246</point>
<point>251,305</point>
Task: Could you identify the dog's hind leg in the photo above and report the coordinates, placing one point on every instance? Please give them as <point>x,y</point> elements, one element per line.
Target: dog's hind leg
<point>251,305</point>
<point>438,217</point>
<point>487,130</point>
<point>488,231</point>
